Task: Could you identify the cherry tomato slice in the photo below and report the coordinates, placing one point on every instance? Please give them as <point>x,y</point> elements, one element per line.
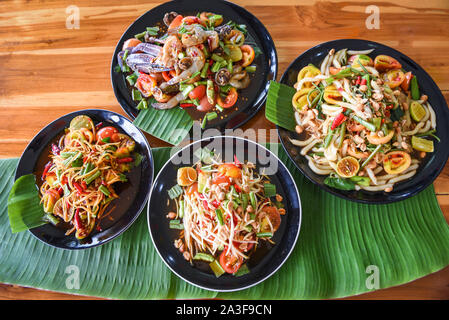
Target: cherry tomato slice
<point>131,43</point>
<point>230,99</point>
<point>198,93</point>
<point>272,213</point>
<point>230,263</point>
<point>205,106</point>
<point>145,83</point>
<point>176,22</point>
<point>406,83</point>
<point>192,189</point>
<point>394,78</point>
<point>230,170</point>
<point>248,55</point>
<point>383,63</point>
<point>108,132</point>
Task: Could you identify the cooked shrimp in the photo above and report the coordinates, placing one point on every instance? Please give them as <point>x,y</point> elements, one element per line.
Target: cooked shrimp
<point>198,60</point>
<point>170,51</point>
<point>198,35</point>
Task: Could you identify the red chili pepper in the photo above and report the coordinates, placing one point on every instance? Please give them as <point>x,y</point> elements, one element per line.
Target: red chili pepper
<point>60,191</point>
<point>84,185</point>
<point>389,107</point>
<point>387,113</point>
<point>357,81</point>
<point>338,121</point>
<point>99,125</point>
<point>125,160</point>
<point>363,82</point>
<point>237,162</point>
<point>55,149</point>
<point>98,228</point>
<point>237,188</point>
<point>46,168</point>
<point>186,105</point>
<point>64,180</point>
<point>216,204</point>
<point>205,205</point>
<point>78,187</point>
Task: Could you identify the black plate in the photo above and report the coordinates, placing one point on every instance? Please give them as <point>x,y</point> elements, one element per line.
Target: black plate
<point>433,163</point>
<point>266,62</point>
<point>261,265</point>
<point>133,194</point>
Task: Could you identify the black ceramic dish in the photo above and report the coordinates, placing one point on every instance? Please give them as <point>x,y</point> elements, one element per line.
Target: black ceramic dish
<point>432,164</point>
<point>265,261</point>
<point>266,62</point>
<point>133,193</point>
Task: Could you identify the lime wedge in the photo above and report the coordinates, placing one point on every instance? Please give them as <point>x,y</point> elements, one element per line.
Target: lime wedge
<point>421,144</point>
<point>417,111</point>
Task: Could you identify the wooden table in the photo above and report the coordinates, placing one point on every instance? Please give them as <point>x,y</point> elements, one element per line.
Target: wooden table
<point>48,70</point>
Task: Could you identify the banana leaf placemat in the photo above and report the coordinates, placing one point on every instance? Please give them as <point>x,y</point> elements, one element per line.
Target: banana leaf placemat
<point>344,248</point>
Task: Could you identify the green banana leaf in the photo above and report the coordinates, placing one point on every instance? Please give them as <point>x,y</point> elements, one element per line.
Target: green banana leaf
<point>339,246</point>
<point>171,125</point>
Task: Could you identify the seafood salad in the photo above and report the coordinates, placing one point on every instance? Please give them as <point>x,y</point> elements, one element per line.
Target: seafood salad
<point>78,181</point>
<point>362,121</point>
<point>225,211</point>
<point>194,62</point>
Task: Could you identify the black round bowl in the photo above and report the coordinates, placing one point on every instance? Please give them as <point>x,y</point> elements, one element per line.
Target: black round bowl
<point>432,164</point>
<point>133,193</point>
<point>254,95</point>
<point>261,265</point>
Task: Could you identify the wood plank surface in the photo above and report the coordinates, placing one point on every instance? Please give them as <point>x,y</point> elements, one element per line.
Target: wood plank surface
<point>48,70</point>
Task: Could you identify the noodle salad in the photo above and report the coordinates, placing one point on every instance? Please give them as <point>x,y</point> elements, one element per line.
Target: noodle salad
<point>224,212</point>
<point>78,181</point>
<point>196,62</point>
<point>362,122</point>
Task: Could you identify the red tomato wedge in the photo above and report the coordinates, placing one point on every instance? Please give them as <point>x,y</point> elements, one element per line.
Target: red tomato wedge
<point>145,83</point>
<point>108,132</point>
<point>198,93</point>
<point>230,263</point>
<point>248,55</point>
<point>230,99</point>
